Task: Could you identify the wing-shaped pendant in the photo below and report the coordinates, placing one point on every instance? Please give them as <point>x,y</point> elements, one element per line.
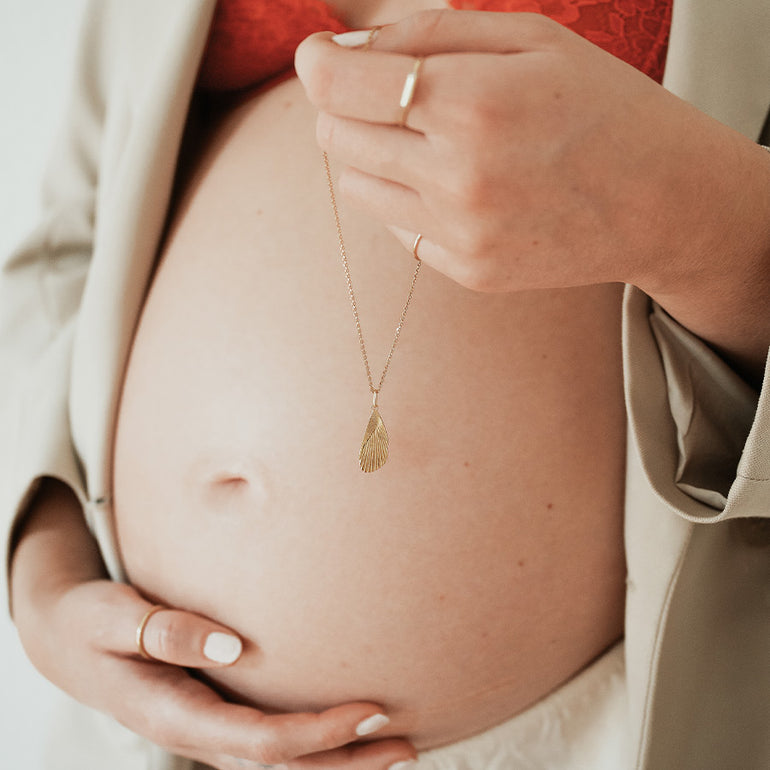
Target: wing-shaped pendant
<point>374,447</point>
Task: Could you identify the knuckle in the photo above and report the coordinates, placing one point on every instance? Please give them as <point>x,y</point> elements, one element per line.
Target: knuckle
<point>476,269</point>
<point>268,751</point>
<point>322,84</point>
<point>426,24</point>
<point>476,192</point>
<point>97,622</point>
<point>539,29</point>
<point>156,727</point>
<point>162,729</point>
<point>330,736</point>
<point>353,187</point>
<point>481,115</point>
<point>477,277</point>
<point>163,640</point>
<point>471,191</point>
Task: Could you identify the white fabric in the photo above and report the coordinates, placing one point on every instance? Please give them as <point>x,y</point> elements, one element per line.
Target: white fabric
<point>581,726</point>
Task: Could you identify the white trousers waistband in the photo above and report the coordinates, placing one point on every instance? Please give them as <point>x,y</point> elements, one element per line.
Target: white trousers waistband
<point>581,726</point>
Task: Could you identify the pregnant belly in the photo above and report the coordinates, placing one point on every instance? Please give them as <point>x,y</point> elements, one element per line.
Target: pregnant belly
<point>480,567</point>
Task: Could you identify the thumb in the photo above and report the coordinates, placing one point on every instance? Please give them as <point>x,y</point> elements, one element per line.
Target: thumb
<point>127,624</point>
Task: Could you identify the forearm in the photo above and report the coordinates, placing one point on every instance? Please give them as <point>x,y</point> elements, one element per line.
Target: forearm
<point>53,549</point>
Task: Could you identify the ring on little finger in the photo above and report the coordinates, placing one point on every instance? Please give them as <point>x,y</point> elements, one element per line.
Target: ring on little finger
<point>415,245</point>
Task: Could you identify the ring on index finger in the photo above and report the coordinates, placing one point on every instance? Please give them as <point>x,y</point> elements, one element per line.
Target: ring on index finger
<point>373,33</point>
<point>140,630</point>
<point>407,93</point>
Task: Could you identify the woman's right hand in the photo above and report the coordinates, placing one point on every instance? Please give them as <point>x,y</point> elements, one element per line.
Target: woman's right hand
<point>79,629</point>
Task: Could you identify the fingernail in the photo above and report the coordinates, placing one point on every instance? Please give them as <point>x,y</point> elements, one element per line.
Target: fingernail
<point>354,39</point>
<point>372,724</point>
<point>403,765</point>
<point>222,648</point>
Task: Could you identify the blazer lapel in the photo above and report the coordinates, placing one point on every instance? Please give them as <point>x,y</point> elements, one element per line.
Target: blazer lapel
<point>145,90</point>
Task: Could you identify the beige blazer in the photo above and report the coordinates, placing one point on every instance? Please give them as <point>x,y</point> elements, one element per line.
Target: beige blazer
<point>698,609</point>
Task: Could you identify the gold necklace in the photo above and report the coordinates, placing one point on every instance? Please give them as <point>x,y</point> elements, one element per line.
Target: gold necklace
<point>374,447</point>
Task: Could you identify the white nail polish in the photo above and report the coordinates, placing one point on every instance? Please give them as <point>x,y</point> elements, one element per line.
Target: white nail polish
<point>372,724</point>
<point>222,648</point>
<point>354,39</point>
<point>404,765</point>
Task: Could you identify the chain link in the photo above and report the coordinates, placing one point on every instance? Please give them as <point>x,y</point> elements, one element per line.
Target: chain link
<point>352,295</point>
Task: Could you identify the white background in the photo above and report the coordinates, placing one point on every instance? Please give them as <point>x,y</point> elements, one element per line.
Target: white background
<point>37,41</point>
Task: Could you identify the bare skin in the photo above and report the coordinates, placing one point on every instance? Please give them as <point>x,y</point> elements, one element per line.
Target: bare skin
<point>535,159</point>
<point>79,628</point>
<point>705,261</point>
<point>480,568</point>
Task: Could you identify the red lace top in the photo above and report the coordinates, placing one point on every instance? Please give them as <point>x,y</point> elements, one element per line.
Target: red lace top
<point>253,40</point>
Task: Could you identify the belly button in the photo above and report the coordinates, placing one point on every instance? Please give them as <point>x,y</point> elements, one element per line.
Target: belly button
<point>232,482</point>
<point>238,488</point>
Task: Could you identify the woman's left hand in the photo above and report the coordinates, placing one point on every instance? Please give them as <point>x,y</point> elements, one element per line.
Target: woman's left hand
<point>532,158</point>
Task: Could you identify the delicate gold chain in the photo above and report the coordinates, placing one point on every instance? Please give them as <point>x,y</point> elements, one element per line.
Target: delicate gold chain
<point>351,293</point>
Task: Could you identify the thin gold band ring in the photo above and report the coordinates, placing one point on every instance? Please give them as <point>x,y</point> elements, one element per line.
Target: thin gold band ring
<point>410,87</point>
<point>373,32</point>
<point>140,631</point>
<point>415,245</point>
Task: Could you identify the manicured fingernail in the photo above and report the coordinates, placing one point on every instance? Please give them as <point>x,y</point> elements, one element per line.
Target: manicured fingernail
<point>372,724</point>
<point>356,38</point>
<point>222,648</point>
<point>403,765</point>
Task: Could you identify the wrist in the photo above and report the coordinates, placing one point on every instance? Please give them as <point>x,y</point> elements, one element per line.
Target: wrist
<point>53,549</point>
<point>712,271</point>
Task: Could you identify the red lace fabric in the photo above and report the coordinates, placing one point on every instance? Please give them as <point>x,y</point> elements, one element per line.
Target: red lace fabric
<point>635,31</point>
<point>253,40</point>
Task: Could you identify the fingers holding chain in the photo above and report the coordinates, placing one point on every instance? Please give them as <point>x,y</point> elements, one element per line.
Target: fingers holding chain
<point>410,83</point>
<point>380,87</point>
<point>363,40</point>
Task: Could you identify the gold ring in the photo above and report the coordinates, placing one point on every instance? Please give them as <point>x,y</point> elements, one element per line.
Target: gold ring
<point>373,32</point>
<point>415,245</point>
<point>140,631</point>
<point>407,94</point>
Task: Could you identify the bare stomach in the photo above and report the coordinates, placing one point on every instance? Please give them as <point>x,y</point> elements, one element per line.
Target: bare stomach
<point>481,567</point>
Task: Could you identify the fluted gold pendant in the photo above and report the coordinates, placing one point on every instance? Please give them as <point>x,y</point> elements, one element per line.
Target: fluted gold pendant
<point>374,447</point>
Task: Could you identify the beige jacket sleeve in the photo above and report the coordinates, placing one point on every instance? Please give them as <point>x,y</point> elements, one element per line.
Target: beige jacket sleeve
<point>40,288</point>
<point>702,433</point>
<point>71,294</point>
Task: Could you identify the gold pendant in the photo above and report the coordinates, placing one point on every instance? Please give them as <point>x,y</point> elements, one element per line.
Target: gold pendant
<point>374,447</point>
